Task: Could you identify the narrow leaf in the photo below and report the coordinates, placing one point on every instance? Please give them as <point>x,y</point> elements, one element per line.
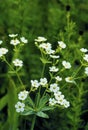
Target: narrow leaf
<point>45,60</point>
<point>42,114</point>
<point>3,101</point>
<point>28,113</point>
<point>30,101</point>
<point>43,100</point>
<point>47,108</point>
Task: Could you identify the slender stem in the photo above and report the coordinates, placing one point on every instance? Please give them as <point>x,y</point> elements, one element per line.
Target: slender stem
<point>77,71</point>
<point>43,70</point>
<point>8,64</point>
<point>80,77</point>
<point>20,80</point>
<point>33,122</point>
<point>50,80</point>
<point>44,93</point>
<point>40,86</point>
<point>15,72</point>
<point>68,26</point>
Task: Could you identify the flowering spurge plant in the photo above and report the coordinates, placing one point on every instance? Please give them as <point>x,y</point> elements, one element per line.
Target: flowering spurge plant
<point>48,91</point>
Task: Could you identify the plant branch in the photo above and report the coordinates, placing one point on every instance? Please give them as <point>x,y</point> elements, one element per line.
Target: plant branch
<point>33,122</point>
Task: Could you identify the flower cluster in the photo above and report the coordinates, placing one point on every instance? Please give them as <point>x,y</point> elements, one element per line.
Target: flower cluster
<point>35,84</point>
<point>58,96</point>
<point>16,41</point>
<point>47,48</point>
<point>52,87</point>
<point>20,105</point>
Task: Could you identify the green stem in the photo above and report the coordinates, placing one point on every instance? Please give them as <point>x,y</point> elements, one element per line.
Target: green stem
<point>77,71</point>
<point>20,80</point>
<point>12,92</point>
<point>43,70</point>
<point>8,63</point>
<point>68,26</point>
<point>40,86</point>
<point>15,72</point>
<point>33,122</point>
<point>80,77</point>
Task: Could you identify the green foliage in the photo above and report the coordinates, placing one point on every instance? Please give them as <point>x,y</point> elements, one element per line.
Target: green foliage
<point>49,18</point>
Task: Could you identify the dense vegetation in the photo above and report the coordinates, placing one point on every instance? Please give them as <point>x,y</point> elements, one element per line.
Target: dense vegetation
<point>56,20</point>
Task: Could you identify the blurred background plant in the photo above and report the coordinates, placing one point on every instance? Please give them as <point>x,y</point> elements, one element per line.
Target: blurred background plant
<point>65,20</point>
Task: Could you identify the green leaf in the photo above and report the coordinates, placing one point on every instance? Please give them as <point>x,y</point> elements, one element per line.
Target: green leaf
<point>3,101</point>
<point>30,101</point>
<point>12,99</point>
<point>37,98</point>
<point>12,72</point>
<point>42,114</point>
<point>47,108</point>
<point>43,101</point>
<point>44,61</point>
<point>70,116</point>
<point>28,113</point>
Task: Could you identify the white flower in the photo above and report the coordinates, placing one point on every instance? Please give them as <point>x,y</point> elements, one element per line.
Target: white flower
<point>35,83</point>
<point>86,57</point>
<point>54,87</point>
<point>24,40</point>
<point>1,54</point>
<point>57,94</point>
<point>15,42</point>
<point>58,78</point>
<point>3,51</point>
<point>1,42</point>
<point>86,71</point>
<point>23,95</point>
<point>53,69</point>
<point>18,62</point>
<point>43,81</point>
<point>45,46</point>
<point>52,101</point>
<point>59,97</point>
<point>41,39</point>
<point>66,64</point>
<point>60,100</point>
<point>62,44</point>
<point>13,35</point>
<point>83,50</point>
<point>54,56</point>
<point>66,103</point>
<point>19,107</point>
<point>50,51</point>
<point>69,80</point>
